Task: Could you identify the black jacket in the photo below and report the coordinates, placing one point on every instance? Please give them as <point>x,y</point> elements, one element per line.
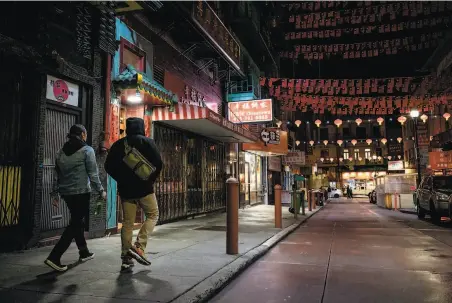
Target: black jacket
<point>129,185</point>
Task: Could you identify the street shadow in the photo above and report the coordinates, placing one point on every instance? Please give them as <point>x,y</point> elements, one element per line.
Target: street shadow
<point>126,286</point>
<point>48,276</point>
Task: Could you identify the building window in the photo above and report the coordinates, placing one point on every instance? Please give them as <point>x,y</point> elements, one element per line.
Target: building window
<point>131,54</point>
<point>159,75</point>
<point>325,153</point>
<point>324,134</point>
<point>346,154</point>
<point>346,131</point>
<point>376,131</point>
<point>361,132</point>
<point>356,153</point>
<point>367,154</point>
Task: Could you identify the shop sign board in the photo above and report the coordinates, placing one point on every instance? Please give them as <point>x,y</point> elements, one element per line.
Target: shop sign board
<point>270,136</point>
<point>193,97</point>
<point>62,91</point>
<point>395,165</point>
<point>395,149</point>
<point>294,158</point>
<point>440,159</point>
<point>253,111</point>
<point>217,32</point>
<point>274,164</point>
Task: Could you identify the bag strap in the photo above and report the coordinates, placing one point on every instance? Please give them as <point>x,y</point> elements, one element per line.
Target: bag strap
<point>127,148</point>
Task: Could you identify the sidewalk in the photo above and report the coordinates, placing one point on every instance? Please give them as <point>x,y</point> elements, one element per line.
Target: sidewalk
<point>189,262</point>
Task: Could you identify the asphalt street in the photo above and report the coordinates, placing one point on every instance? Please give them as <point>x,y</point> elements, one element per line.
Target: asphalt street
<point>352,251</point>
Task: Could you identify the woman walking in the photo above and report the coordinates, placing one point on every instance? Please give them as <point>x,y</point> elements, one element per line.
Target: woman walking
<point>76,170</point>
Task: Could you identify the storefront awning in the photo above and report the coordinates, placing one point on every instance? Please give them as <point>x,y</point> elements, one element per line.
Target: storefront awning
<point>268,150</point>
<point>131,82</point>
<point>203,121</point>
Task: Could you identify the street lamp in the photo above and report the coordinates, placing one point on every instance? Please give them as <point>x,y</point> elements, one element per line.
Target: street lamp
<point>415,114</point>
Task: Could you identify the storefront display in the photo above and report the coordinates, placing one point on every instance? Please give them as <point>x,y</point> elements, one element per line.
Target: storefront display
<point>251,191</point>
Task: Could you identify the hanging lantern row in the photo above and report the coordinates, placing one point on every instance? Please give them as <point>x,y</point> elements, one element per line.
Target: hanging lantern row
<point>350,159</point>
<point>423,117</point>
<point>354,141</point>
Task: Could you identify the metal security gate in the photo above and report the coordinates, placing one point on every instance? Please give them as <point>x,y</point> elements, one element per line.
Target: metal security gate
<point>193,178</point>
<point>57,125</point>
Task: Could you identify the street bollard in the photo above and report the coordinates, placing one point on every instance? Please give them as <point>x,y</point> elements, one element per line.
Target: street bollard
<point>302,202</point>
<point>232,217</point>
<point>311,198</point>
<point>278,206</point>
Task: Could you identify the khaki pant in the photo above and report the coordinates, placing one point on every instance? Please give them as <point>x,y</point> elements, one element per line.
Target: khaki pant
<point>129,208</point>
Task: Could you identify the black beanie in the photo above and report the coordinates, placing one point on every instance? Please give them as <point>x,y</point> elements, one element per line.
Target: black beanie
<point>77,130</point>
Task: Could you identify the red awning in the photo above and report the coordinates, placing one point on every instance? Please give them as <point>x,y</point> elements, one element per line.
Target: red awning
<point>203,121</point>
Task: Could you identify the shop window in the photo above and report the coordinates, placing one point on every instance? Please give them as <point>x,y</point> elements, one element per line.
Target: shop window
<point>346,154</point>
<point>367,154</point>
<point>131,54</point>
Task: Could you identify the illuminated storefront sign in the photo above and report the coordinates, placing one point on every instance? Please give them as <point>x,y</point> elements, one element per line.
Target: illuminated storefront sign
<point>62,91</point>
<point>294,158</point>
<point>395,165</point>
<point>253,111</point>
<point>440,159</point>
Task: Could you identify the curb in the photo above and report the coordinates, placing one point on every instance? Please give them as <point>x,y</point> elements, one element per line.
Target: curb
<point>210,286</point>
<point>408,211</point>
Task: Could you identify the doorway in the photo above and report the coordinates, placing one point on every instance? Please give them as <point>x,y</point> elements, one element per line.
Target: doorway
<point>57,124</point>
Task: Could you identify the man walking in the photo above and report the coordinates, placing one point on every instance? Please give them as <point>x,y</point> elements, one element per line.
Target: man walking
<point>134,189</point>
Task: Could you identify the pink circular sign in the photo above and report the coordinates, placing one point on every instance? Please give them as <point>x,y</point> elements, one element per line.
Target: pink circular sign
<point>60,90</point>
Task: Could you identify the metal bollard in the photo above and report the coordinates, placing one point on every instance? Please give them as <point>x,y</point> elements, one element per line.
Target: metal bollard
<point>311,198</point>
<point>232,217</point>
<point>302,202</point>
<point>278,206</point>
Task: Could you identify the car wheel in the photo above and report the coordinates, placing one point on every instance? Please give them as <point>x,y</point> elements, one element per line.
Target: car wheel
<point>420,211</point>
<point>336,196</point>
<point>434,214</point>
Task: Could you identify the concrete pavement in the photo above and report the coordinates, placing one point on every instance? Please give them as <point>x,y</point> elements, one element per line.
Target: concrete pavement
<point>189,262</point>
<point>352,251</point>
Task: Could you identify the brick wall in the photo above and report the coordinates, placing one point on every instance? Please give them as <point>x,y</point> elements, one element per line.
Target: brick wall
<point>168,58</point>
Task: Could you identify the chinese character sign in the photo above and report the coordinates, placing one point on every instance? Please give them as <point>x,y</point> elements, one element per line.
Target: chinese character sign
<point>440,159</point>
<point>62,91</point>
<point>253,111</point>
<point>294,158</point>
<point>270,136</point>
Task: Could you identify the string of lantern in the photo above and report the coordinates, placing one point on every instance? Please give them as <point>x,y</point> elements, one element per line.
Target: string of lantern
<point>365,106</point>
<point>371,14</point>
<point>318,5</point>
<point>365,49</point>
<point>341,86</point>
<point>370,29</point>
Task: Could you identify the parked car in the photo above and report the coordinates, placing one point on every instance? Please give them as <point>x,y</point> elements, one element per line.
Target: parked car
<point>335,192</point>
<point>372,197</point>
<point>433,196</point>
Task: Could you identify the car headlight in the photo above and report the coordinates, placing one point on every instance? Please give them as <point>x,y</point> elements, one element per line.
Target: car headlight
<point>442,197</point>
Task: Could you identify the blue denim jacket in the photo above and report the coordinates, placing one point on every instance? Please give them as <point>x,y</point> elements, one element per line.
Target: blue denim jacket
<point>76,173</point>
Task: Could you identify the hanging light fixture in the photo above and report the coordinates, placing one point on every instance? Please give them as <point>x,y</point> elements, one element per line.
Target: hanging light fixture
<point>380,120</point>
<point>311,143</point>
<point>354,142</point>
<point>399,156</point>
<point>384,140</point>
<point>360,158</point>
<point>331,159</point>
<point>317,122</point>
<point>340,142</point>
<point>325,142</point>
<point>341,159</point>
<point>431,138</point>
<point>297,142</point>
<point>379,158</point>
<point>297,123</point>
<point>374,157</point>
<point>358,121</point>
<point>389,157</point>
<point>446,116</point>
<point>350,159</point>
<point>399,139</point>
<point>369,141</point>
<point>424,118</point>
<point>136,98</point>
<point>401,119</point>
<point>322,159</point>
<point>279,123</point>
<point>338,122</point>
